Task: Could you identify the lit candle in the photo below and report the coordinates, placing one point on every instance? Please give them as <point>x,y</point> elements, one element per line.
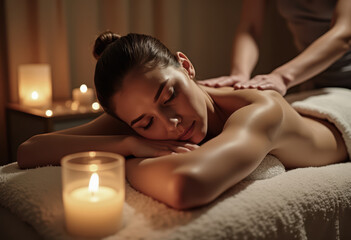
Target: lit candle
<point>34,84</point>
<point>83,95</point>
<point>95,106</point>
<point>49,113</point>
<point>93,206</point>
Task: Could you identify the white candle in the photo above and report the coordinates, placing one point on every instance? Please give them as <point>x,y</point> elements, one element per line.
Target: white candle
<point>93,211</point>
<point>34,84</point>
<point>83,95</point>
<point>93,216</point>
<point>93,187</point>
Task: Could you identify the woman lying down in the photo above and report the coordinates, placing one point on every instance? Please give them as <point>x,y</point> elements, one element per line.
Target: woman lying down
<point>187,143</point>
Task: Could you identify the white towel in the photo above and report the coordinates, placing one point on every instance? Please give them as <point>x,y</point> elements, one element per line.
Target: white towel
<point>268,168</point>
<point>298,204</point>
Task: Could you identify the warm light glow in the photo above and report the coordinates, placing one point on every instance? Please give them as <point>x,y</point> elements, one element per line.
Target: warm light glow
<point>94,183</point>
<point>92,154</point>
<point>35,95</point>
<point>49,113</point>
<point>34,85</point>
<point>83,88</point>
<point>95,106</point>
<point>93,167</point>
<point>74,105</point>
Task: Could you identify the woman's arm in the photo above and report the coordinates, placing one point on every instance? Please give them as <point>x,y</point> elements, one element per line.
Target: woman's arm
<point>314,59</point>
<point>196,178</point>
<point>47,149</point>
<point>102,134</point>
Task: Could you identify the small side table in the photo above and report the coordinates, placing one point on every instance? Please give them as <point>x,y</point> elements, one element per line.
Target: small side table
<point>24,122</point>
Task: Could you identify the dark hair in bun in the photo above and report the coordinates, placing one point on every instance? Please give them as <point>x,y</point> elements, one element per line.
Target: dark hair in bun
<point>102,42</point>
<point>117,56</point>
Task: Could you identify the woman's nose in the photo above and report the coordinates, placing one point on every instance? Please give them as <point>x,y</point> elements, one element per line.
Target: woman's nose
<point>172,123</point>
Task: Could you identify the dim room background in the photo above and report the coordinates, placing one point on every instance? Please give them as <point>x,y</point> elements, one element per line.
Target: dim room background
<point>62,33</point>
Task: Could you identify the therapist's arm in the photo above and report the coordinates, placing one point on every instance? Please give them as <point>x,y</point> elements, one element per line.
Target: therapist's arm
<point>245,47</point>
<point>314,59</point>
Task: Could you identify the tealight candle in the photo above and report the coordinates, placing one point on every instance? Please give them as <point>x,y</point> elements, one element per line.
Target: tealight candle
<point>83,95</point>
<point>93,193</point>
<point>95,106</point>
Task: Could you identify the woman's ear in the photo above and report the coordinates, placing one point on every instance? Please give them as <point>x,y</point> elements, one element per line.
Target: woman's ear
<point>186,64</point>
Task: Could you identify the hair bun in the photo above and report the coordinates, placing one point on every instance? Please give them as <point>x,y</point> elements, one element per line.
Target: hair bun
<point>103,41</point>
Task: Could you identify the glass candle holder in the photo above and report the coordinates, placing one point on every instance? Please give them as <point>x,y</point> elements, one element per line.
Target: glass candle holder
<point>93,193</point>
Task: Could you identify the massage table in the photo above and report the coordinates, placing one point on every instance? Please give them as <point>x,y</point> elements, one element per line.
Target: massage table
<point>271,203</point>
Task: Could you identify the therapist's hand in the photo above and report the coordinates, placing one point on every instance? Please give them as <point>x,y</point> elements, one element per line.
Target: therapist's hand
<point>224,81</point>
<point>265,82</point>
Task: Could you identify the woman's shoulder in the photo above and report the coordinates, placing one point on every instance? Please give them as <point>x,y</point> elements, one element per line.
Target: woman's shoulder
<point>230,99</point>
<point>244,94</point>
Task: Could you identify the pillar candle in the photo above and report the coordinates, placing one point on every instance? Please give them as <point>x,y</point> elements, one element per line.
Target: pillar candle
<point>93,213</point>
<point>93,193</point>
<point>34,84</point>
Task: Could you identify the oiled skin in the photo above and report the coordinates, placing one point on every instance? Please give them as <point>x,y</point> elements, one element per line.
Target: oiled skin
<point>255,123</point>
<point>240,128</point>
<point>249,125</point>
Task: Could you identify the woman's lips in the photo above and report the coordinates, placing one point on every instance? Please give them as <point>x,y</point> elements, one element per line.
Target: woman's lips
<point>187,134</point>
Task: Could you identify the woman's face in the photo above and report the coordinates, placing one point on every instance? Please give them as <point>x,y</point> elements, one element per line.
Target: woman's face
<point>163,104</point>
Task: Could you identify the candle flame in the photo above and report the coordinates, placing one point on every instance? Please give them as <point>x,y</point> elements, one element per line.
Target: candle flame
<point>95,106</point>
<point>35,95</point>
<point>83,88</point>
<point>94,183</point>
<point>49,113</point>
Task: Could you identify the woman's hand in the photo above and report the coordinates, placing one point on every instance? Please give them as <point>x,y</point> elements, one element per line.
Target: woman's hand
<point>224,81</point>
<point>141,147</point>
<point>264,82</point>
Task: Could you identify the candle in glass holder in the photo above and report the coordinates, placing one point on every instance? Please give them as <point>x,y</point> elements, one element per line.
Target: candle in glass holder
<point>93,193</point>
<point>83,95</point>
<point>34,84</point>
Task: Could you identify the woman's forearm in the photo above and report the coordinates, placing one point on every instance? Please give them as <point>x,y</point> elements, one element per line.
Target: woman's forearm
<point>48,149</point>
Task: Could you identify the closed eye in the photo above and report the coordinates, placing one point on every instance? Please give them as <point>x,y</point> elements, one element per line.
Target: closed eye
<point>171,97</point>
<point>149,124</point>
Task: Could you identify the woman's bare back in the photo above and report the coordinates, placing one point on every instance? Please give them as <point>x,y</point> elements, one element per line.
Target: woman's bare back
<point>307,141</point>
<point>301,141</point>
